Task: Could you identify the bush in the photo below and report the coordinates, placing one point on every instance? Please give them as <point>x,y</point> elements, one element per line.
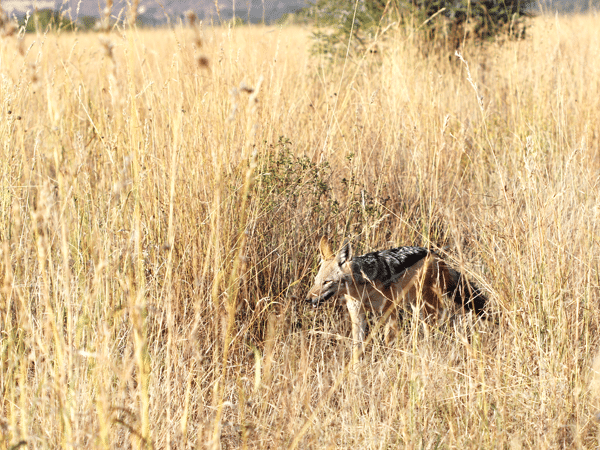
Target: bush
<point>46,18</point>
<point>88,23</point>
<point>446,21</point>
<point>479,20</point>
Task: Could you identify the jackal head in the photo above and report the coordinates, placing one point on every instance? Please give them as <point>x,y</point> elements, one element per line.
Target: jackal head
<point>333,274</point>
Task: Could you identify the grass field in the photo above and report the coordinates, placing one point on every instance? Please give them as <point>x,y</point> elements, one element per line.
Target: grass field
<point>162,196</point>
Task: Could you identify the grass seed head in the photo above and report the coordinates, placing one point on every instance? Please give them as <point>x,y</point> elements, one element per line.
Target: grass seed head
<point>133,12</point>
<point>106,12</point>
<point>33,73</point>
<point>107,46</point>
<point>203,62</point>
<point>245,88</point>
<point>191,17</point>
<point>9,29</point>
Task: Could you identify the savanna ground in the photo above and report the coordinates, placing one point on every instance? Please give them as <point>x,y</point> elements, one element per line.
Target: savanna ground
<point>161,202</point>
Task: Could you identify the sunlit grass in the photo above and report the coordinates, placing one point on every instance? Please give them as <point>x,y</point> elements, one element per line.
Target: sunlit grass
<point>163,193</point>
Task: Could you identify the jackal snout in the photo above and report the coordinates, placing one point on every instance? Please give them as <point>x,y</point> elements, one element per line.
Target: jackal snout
<point>317,300</point>
<point>321,293</point>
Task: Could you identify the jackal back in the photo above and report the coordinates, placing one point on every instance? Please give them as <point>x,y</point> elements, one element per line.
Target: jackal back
<point>398,274</point>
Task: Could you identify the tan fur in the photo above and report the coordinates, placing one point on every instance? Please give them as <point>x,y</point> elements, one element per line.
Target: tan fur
<point>325,249</point>
<point>422,285</point>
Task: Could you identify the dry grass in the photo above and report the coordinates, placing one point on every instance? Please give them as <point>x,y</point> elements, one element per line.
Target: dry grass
<point>162,194</point>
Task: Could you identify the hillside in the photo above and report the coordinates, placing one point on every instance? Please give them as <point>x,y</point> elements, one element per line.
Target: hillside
<point>153,12</point>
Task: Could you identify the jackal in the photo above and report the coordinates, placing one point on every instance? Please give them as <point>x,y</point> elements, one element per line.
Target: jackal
<point>389,280</point>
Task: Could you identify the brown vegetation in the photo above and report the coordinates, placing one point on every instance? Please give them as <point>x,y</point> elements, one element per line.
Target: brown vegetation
<point>159,213</point>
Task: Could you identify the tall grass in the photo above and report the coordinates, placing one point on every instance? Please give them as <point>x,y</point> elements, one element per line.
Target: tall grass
<point>162,196</point>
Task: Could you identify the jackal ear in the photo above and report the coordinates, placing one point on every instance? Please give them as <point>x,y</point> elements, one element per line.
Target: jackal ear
<point>325,249</point>
<point>345,254</point>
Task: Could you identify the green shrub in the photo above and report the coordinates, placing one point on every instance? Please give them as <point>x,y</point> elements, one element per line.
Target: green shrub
<point>44,19</point>
<point>352,24</point>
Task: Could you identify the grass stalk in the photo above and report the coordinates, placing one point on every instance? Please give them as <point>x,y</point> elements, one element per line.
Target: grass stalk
<point>159,219</point>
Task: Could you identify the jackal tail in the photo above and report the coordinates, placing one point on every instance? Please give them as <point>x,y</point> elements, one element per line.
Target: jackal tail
<point>465,293</point>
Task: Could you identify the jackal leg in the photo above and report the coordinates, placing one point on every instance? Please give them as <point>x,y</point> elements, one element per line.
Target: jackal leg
<point>390,316</point>
<point>359,326</point>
